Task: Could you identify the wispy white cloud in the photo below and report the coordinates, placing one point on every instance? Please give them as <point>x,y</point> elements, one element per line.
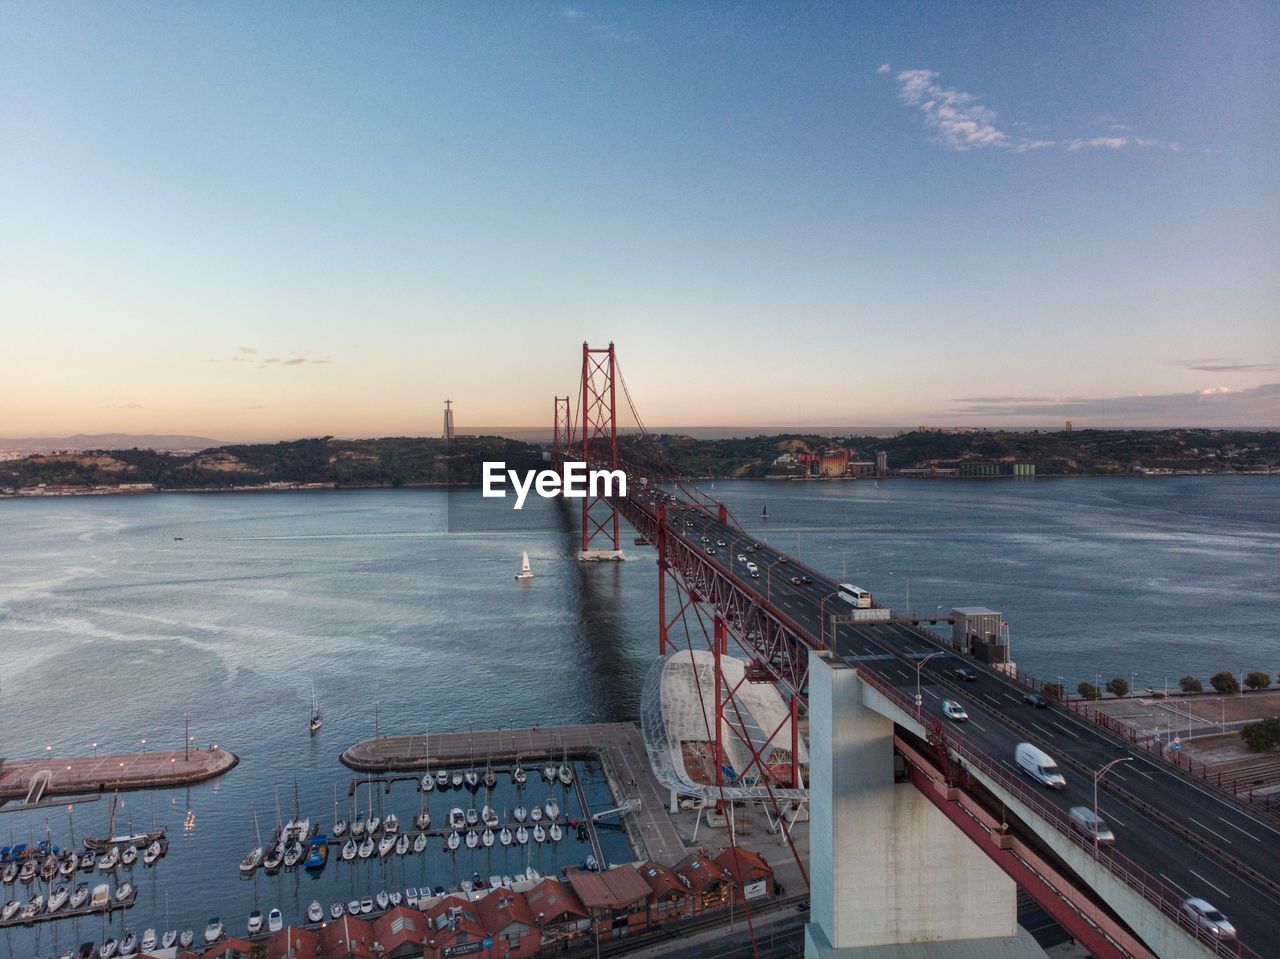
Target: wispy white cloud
<point>248,350</point>
<point>1218,364</point>
<point>1213,406</point>
<point>123,406</point>
<point>964,123</point>
<point>605,29</point>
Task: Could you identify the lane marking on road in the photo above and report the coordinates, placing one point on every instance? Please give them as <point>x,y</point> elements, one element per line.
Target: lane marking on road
<point>1110,816</point>
<point>1064,729</point>
<point>1010,765</point>
<point>1012,699</point>
<point>1225,895</point>
<point>1208,830</point>
<point>978,724</point>
<point>930,692</point>
<point>1175,885</point>
<point>1137,769</point>
<point>1238,829</point>
<point>1119,777</point>
<point>992,698</point>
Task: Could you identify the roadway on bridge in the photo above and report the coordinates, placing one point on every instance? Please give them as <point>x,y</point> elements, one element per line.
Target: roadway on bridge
<point>997,710</point>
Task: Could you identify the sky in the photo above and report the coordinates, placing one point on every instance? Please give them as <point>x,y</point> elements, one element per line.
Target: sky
<point>267,220</point>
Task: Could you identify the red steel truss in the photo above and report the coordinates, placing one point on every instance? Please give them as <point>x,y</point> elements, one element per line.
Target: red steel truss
<point>562,432</point>
<point>599,443</point>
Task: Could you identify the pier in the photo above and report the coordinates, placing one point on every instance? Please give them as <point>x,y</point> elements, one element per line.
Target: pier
<point>618,747</point>
<point>34,780</point>
<point>86,910</point>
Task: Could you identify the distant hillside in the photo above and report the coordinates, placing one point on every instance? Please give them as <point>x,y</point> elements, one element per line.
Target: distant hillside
<point>109,441</point>
<point>390,461</point>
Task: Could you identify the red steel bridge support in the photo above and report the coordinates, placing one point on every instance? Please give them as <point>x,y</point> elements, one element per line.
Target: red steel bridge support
<point>600,449</point>
<point>562,433</point>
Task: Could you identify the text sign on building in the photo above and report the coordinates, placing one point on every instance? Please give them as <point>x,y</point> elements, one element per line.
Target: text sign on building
<point>463,948</point>
<point>754,890</point>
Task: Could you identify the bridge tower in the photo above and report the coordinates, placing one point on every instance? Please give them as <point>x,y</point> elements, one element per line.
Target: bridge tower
<point>562,432</point>
<point>599,451</point>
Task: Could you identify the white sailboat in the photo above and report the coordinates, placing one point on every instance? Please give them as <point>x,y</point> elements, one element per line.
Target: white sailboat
<point>525,571</point>
<point>316,721</point>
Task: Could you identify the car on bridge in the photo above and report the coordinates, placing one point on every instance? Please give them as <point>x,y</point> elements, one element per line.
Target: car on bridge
<point>1036,700</point>
<point>954,711</point>
<point>1039,765</point>
<point>711,551</point>
<point>1208,918</point>
<point>968,675</point>
<point>1083,819</point>
<point>795,580</point>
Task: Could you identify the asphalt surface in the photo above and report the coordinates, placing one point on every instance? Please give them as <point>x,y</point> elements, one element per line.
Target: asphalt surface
<point>1171,831</point>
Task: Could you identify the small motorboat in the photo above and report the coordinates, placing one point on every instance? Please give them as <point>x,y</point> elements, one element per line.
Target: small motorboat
<point>58,898</point>
<point>553,808</point>
<point>539,834</point>
<point>473,817</point>
<point>555,832</point>
<point>349,850</point>
<point>504,836</point>
<point>169,938</point>
<point>129,944</point>
<point>566,774</point>
<point>391,824</point>
<point>79,897</point>
<point>486,838</point>
<point>452,842</point>
<point>473,840</point>
<point>457,820</point>
<point>420,842</point>
<point>455,779</point>
<point>366,848</point>
<point>532,874</point>
<point>128,856</point>
<point>382,899</point>
<point>522,835</point>
<point>442,779</point>
<point>525,571</point>
<point>385,845</point>
<point>536,814</point>
<point>124,891</point>
<point>213,931</point>
<point>275,921</point>
<point>411,897</point>
<point>402,844</point>
<point>186,938</point>
<point>427,783</point>
<point>467,885</point>
<point>591,864</point>
<point>366,906</point>
<point>108,949</point>
<point>353,907</point>
<point>395,897</point>
<point>507,881</point>
<point>489,817</point>
<point>10,910</point>
<point>148,940</point>
<point>336,910</point>
<point>317,854</point>
<point>152,854</point>
<point>519,813</point>
<point>255,922</point>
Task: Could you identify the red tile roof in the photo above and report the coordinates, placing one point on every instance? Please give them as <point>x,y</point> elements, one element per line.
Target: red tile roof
<point>347,936</point>
<point>554,900</point>
<point>467,921</point>
<point>701,871</point>
<point>744,865</point>
<point>301,943</point>
<point>398,926</point>
<point>663,881</point>
<point>502,907</point>
<point>612,889</point>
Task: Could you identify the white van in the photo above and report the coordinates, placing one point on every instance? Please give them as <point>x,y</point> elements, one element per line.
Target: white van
<point>1038,764</point>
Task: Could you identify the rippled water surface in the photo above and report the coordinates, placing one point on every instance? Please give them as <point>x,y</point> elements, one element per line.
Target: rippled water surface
<point>112,628</point>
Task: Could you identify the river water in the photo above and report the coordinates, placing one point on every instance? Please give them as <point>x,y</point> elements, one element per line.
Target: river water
<point>403,616</point>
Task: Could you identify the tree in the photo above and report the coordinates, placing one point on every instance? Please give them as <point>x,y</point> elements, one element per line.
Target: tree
<point>1118,687</point>
<point>1262,736</point>
<point>1190,684</point>
<point>1089,691</point>
<point>1052,690</point>
<point>1257,680</point>
<point>1225,683</point>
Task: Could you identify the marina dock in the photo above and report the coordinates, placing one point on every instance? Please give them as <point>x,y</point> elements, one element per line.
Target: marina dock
<point>86,910</point>
<point>618,747</point>
<point>30,781</point>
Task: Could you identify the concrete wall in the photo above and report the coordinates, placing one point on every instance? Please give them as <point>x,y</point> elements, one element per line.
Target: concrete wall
<point>886,865</point>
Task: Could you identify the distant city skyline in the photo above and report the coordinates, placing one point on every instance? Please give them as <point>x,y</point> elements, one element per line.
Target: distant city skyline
<point>264,221</point>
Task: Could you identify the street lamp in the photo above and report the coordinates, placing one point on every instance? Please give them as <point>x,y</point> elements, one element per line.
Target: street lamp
<point>822,619</point>
<point>1096,777</point>
<point>920,665</point>
<point>893,572</point>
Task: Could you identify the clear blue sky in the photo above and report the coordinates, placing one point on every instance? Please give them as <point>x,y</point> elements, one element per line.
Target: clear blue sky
<point>820,213</point>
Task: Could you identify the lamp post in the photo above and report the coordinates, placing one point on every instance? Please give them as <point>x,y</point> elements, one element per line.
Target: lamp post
<point>186,736</point>
<point>1096,777</point>
<point>920,665</point>
<point>822,618</point>
<point>893,572</point>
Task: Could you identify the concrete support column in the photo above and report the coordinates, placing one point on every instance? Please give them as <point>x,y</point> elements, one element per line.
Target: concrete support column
<point>886,866</point>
